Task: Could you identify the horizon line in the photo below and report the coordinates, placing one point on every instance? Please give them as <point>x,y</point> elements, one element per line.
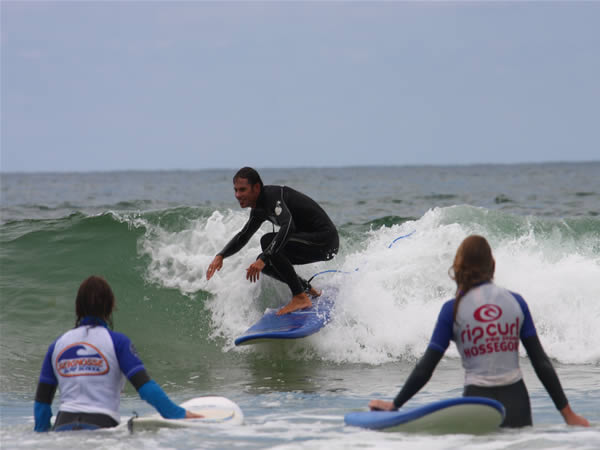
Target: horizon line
<point>300,167</point>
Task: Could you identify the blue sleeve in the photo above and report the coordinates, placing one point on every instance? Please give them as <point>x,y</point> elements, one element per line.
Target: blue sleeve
<point>47,374</point>
<point>153,394</point>
<point>442,333</point>
<point>528,328</point>
<point>42,412</point>
<point>129,361</point>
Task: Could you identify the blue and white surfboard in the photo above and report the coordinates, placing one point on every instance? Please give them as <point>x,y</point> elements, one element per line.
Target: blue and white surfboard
<point>470,415</point>
<point>295,325</point>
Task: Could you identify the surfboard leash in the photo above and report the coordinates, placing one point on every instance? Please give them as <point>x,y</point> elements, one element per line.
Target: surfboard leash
<point>355,270</point>
<point>401,237</point>
<point>130,421</point>
<point>329,271</point>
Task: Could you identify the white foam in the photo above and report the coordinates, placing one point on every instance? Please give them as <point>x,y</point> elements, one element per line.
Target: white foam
<point>561,287</point>
<point>387,309</point>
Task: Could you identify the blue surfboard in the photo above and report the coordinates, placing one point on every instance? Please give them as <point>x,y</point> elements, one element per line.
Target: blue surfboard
<point>295,325</point>
<point>469,415</point>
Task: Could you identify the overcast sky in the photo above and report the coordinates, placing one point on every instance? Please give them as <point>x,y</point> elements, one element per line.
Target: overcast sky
<point>190,85</point>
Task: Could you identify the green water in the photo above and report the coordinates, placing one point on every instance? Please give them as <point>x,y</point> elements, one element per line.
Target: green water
<point>152,235</point>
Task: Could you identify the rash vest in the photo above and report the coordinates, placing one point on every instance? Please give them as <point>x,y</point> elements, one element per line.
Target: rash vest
<point>90,364</point>
<point>489,324</point>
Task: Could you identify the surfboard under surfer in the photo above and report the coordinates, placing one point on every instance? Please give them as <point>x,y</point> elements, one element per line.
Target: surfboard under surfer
<point>306,235</point>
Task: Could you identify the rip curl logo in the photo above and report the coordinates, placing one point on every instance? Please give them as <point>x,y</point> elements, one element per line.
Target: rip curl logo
<point>493,336</point>
<point>81,359</point>
<point>487,313</point>
<point>278,208</point>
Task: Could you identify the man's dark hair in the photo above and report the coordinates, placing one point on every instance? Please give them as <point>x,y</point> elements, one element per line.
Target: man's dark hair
<point>94,298</point>
<point>249,174</point>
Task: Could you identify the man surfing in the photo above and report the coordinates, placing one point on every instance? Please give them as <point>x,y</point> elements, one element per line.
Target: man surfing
<point>306,235</point>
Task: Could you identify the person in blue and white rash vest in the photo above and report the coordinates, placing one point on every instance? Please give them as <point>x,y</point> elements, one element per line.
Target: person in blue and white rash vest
<point>486,322</point>
<point>89,365</point>
<point>306,235</point>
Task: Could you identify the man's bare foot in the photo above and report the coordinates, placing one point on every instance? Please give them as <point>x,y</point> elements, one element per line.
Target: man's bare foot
<point>314,293</point>
<point>299,301</point>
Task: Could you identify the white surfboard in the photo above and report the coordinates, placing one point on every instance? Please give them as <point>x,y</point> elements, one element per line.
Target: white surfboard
<point>219,410</point>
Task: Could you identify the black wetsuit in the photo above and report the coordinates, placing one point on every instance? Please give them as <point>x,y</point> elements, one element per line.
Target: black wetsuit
<point>306,234</point>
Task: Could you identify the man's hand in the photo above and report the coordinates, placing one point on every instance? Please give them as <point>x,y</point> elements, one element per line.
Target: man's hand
<point>215,265</point>
<point>253,272</point>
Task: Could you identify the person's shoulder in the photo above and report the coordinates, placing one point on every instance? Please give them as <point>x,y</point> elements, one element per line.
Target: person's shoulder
<point>510,292</point>
<point>118,338</point>
<point>295,195</point>
<point>515,295</point>
<point>520,300</point>
<point>117,334</point>
<point>65,336</point>
<point>448,304</point>
<point>270,188</point>
<point>490,285</point>
<point>271,192</point>
<point>55,341</point>
<point>447,310</point>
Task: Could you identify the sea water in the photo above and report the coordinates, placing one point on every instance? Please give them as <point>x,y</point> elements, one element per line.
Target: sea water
<point>153,234</point>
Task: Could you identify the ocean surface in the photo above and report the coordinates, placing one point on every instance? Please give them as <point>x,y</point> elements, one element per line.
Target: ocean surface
<point>153,234</point>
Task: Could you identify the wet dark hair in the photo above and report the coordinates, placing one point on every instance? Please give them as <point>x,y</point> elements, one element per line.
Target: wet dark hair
<point>249,174</point>
<point>94,298</point>
<point>473,264</point>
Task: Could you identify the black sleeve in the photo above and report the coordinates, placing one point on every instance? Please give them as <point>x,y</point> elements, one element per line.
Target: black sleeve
<point>242,238</point>
<point>139,379</point>
<point>45,393</point>
<point>545,371</point>
<point>419,376</point>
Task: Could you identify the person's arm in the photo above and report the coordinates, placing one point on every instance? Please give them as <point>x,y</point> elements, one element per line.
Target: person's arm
<point>573,419</point>
<point>42,409</point>
<point>545,371</point>
<point>242,237</point>
<point>422,372</point>
<point>133,368</point>
<point>543,366</point>
<point>419,377</point>
<point>234,245</point>
<point>416,380</point>
<point>547,375</point>
<point>151,392</point>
